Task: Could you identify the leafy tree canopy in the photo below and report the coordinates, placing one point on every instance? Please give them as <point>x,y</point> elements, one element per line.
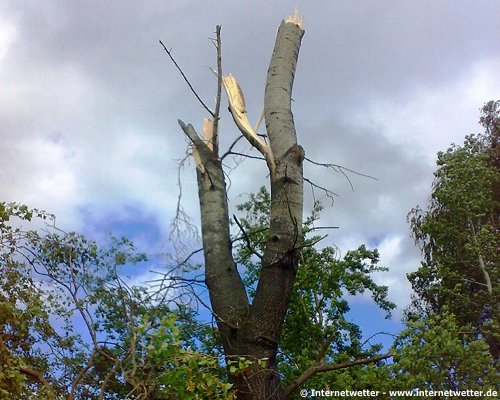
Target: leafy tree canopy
<point>71,327</point>
<point>459,234</point>
<point>435,353</point>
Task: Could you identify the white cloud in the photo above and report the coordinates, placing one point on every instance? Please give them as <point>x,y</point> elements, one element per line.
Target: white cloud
<point>45,178</point>
<point>8,34</point>
<point>393,255</point>
<point>432,117</point>
<point>390,249</point>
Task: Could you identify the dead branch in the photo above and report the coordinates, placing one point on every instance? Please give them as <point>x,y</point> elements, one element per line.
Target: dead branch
<point>311,243</point>
<point>192,135</point>
<point>160,282</point>
<point>327,192</point>
<point>169,52</point>
<point>181,223</point>
<point>215,137</point>
<point>341,169</point>
<point>376,334</point>
<point>317,228</point>
<point>234,153</point>
<point>201,148</point>
<point>229,151</point>
<point>239,114</point>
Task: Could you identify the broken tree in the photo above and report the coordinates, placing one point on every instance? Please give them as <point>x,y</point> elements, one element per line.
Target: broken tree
<point>252,330</point>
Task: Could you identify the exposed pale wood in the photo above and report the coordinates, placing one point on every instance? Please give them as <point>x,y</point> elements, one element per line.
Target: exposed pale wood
<point>239,113</point>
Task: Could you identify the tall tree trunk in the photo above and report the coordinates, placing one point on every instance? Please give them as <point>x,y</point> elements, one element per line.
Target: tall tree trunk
<point>261,331</point>
<point>253,330</point>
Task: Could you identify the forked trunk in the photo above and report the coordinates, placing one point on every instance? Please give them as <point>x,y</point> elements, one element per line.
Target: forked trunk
<point>253,330</point>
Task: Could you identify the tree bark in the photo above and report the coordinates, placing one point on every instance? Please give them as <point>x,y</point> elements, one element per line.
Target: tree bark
<point>226,290</point>
<point>261,331</point>
<point>253,330</point>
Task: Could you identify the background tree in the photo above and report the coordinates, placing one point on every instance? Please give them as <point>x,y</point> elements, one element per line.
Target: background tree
<point>24,314</point>
<point>459,235</point>
<point>435,353</point>
<point>71,327</point>
<point>318,341</point>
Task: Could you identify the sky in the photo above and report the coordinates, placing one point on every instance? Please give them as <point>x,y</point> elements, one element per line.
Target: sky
<point>89,104</point>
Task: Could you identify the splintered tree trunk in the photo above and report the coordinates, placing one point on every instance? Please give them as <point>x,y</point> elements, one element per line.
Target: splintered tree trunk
<point>262,329</point>
<point>253,330</point>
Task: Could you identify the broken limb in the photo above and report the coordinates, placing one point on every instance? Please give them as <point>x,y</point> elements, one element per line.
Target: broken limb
<point>239,114</point>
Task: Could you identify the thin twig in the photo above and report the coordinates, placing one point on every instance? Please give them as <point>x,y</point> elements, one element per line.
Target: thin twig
<point>247,239</point>
<point>317,228</point>
<point>312,242</point>
<point>181,224</point>
<point>328,192</point>
<point>186,79</point>
<point>245,155</point>
<point>342,170</point>
<point>336,166</point>
<point>376,334</point>
<point>229,151</point>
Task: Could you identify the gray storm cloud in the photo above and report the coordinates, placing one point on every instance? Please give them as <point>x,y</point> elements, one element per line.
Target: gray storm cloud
<point>89,102</point>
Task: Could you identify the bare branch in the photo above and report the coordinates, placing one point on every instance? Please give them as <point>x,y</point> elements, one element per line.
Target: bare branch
<point>186,79</point>
<point>234,153</point>
<point>232,146</point>
<point>317,228</point>
<point>181,224</point>
<point>192,134</point>
<point>312,242</point>
<point>327,192</point>
<point>160,283</point>
<point>258,122</point>
<point>341,169</point>
<point>315,368</point>
<point>216,113</point>
<point>37,376</point>
<point>200,147</point>
<point>247,239</point>
<point>376,334</point>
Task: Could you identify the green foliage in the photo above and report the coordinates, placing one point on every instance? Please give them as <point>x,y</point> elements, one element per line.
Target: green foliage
<point>24,309</point>
<point>183,373</point>
<point>459,235</point>
<point>71,327</point>
<point>436,353</point>
<point>319,303</point>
